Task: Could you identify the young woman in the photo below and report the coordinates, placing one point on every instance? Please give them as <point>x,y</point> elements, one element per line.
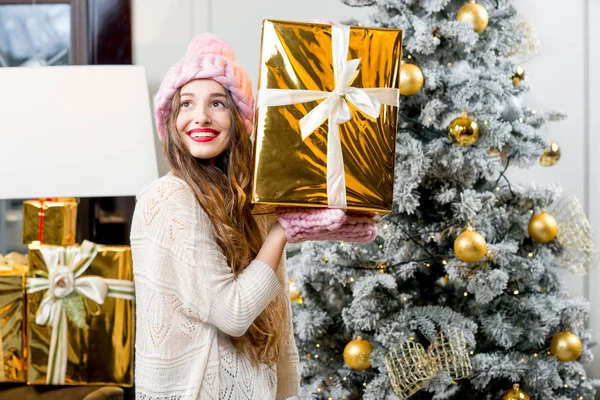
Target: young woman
<point>212,311</point>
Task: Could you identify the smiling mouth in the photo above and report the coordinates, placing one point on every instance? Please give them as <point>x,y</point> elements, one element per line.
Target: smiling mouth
<point>203,134</point>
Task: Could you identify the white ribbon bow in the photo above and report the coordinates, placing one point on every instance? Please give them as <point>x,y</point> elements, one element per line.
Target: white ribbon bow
<point>335,109</point>
<point>65,266</point>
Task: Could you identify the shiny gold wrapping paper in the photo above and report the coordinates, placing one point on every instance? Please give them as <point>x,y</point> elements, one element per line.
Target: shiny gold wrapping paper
<point>290,172</point>
<point>102,353</point>
<point>60,221</point>
<point>12,321</point>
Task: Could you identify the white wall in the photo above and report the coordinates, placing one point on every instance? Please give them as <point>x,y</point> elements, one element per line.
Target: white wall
<point>565,76</point>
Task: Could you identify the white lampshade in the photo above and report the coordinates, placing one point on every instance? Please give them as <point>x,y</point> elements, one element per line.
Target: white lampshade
<point>75,131</point>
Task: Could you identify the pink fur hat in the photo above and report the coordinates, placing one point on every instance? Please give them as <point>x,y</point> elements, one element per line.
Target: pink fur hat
<point>207,57</point>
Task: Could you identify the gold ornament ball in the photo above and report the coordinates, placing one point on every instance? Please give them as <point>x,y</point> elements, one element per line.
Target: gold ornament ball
<point>551,155</point>
<point>518,76</point>
<point>357,353</point>
<point>515,394</point>
<point>411,79</point>
<point>475,14</point>
<point>470,246</point>
<point>463,131</point>
<point>566,346</point>
<point>295,294</point>
<point>542,227</point>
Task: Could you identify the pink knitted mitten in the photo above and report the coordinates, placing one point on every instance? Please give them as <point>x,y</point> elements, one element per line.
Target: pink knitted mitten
<point>303,224</point>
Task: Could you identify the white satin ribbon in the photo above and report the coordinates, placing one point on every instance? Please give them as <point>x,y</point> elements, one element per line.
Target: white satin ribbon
<point>65,266</point>
<point>335,109</point>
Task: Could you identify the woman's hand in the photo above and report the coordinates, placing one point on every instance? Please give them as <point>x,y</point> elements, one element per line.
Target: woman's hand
<point>277,231</point>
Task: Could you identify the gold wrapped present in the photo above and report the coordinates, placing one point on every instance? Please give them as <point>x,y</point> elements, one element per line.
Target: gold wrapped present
<point>325,125</point>
<point>13,268</point>
<point>80,321</point>
<point>50,221</point>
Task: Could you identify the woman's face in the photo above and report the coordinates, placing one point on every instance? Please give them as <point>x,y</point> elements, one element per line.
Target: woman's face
<point>204,120</point>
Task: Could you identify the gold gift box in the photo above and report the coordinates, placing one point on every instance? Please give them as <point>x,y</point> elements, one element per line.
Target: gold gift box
<point>13,268</point>
<point>56,218</point>
<point>291,172</point>
<point>101,354</point>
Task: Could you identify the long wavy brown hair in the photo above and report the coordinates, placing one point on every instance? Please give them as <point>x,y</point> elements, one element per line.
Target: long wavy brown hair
<point>223,191</point>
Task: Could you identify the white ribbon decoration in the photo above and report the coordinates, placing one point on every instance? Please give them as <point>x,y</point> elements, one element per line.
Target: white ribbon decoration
<point>335,109</point>
<point>65,265</point>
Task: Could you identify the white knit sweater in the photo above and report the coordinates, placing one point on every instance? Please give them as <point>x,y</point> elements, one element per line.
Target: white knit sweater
<point>188,304</point>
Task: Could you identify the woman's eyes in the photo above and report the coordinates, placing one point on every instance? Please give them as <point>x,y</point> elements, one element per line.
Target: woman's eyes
<point>216,103</point>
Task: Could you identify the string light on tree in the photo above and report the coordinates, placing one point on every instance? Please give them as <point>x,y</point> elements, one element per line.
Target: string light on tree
<point>542,227</point>
<point>551,155</point>
<point>515,394</point>
<point>411,79</point>
<point>474,13</point>
<point>463,131</point>
<point>357,353</point>
<point>470,246</point>
<point>519,75</point>
<point>566,346</point>
<point>295,293</point>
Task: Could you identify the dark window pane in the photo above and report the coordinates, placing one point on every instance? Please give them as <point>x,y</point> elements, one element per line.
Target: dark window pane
<point>35,34</point>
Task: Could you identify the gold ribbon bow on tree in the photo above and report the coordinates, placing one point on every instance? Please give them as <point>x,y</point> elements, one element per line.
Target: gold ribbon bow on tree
<point>579,254</point>
<point>64,297</point>
<point>410,366</point>
<point>334,109</point>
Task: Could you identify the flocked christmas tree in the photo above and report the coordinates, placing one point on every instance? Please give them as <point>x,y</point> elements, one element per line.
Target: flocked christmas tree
<point>460,295</point>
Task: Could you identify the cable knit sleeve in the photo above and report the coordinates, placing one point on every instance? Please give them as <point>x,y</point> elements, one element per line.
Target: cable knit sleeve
<point>199,273</point>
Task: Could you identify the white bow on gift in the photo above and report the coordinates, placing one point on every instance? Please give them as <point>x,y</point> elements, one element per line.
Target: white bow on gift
<point>65,267</point>
<point>334,108</point>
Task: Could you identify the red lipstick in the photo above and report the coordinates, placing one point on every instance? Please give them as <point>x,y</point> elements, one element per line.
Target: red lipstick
<point>203,139</point>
